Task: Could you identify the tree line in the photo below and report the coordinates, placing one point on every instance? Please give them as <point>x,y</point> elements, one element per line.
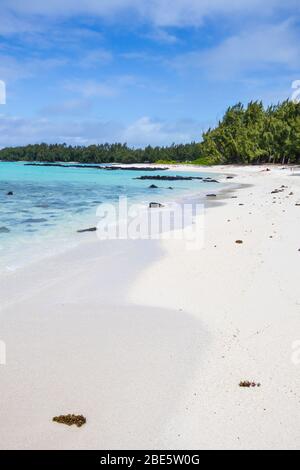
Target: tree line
<point>248,134</point>
<point>254,135</point>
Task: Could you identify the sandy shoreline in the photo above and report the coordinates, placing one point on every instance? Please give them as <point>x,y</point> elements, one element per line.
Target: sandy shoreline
<point>149,340</point>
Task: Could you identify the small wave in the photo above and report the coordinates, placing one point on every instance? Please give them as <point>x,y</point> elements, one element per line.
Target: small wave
<point>34,221</point>
<point>42,206</point>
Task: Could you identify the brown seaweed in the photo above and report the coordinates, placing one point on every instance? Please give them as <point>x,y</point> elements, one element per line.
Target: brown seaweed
<point>70,419</point>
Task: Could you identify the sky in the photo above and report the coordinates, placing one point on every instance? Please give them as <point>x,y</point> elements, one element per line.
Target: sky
<point>139,71</point>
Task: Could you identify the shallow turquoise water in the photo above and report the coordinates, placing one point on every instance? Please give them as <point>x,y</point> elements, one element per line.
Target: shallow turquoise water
<point>49,204</point>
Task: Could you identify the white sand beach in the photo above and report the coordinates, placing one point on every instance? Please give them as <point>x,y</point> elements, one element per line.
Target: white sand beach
<point>150,340</point>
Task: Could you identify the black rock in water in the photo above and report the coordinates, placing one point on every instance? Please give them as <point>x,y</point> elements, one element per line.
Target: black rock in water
<point>4,230</point>
<point>134,168</point>
<point>169,178</point>
<point>98,167</point>
<point>10,193</point>
<point>92,229</point>
<point>211,195</point>
<point>152,186</point>
<point>155,205</point>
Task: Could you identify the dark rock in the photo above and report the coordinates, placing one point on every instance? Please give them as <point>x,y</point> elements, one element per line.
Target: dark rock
<point>169,178</point>
<point>229,177</point>
<point>133,168</point>
<point>211,195</point>
<point>92,229</point>
<point>4,230</point>
<point>275,191</point>
<point>98,167</point>
<point>170,187</point>
<point>10,193</point>
<point>152,186</point>
<point>239,242</point>
<point>155,205</point>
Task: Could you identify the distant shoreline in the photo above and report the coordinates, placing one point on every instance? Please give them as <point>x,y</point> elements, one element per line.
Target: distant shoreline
<point>177,165</point>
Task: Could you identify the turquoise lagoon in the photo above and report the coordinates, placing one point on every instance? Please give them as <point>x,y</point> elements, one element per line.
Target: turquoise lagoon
<point>49,204</point>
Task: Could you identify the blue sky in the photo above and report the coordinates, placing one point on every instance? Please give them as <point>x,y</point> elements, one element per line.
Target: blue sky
<point>139,71</point>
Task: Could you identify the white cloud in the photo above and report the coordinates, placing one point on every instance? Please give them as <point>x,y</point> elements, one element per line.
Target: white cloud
<point>72,106</point>
<point>157,132</point>
<point>11,24</point>
<point>91,88</point>
<point>22,131</point>
<point>161,35</point>
<point>157,12</point>
<point>58,36</point>
<point>12,69</point>
<point>250,51</point>
<point>109,88</point>
<point>96,57</point>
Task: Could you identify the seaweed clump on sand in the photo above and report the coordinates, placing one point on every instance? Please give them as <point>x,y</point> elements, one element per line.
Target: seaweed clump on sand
<point>247,384</point>
<point>69,420</point>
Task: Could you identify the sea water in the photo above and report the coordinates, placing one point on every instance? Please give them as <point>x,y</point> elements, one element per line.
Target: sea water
<point>49,204</point>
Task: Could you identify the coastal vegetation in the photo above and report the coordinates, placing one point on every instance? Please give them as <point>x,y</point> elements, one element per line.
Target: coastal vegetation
<point>249,134</point>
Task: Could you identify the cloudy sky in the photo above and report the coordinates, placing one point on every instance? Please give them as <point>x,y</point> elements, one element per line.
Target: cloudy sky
<point>139,71</point>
